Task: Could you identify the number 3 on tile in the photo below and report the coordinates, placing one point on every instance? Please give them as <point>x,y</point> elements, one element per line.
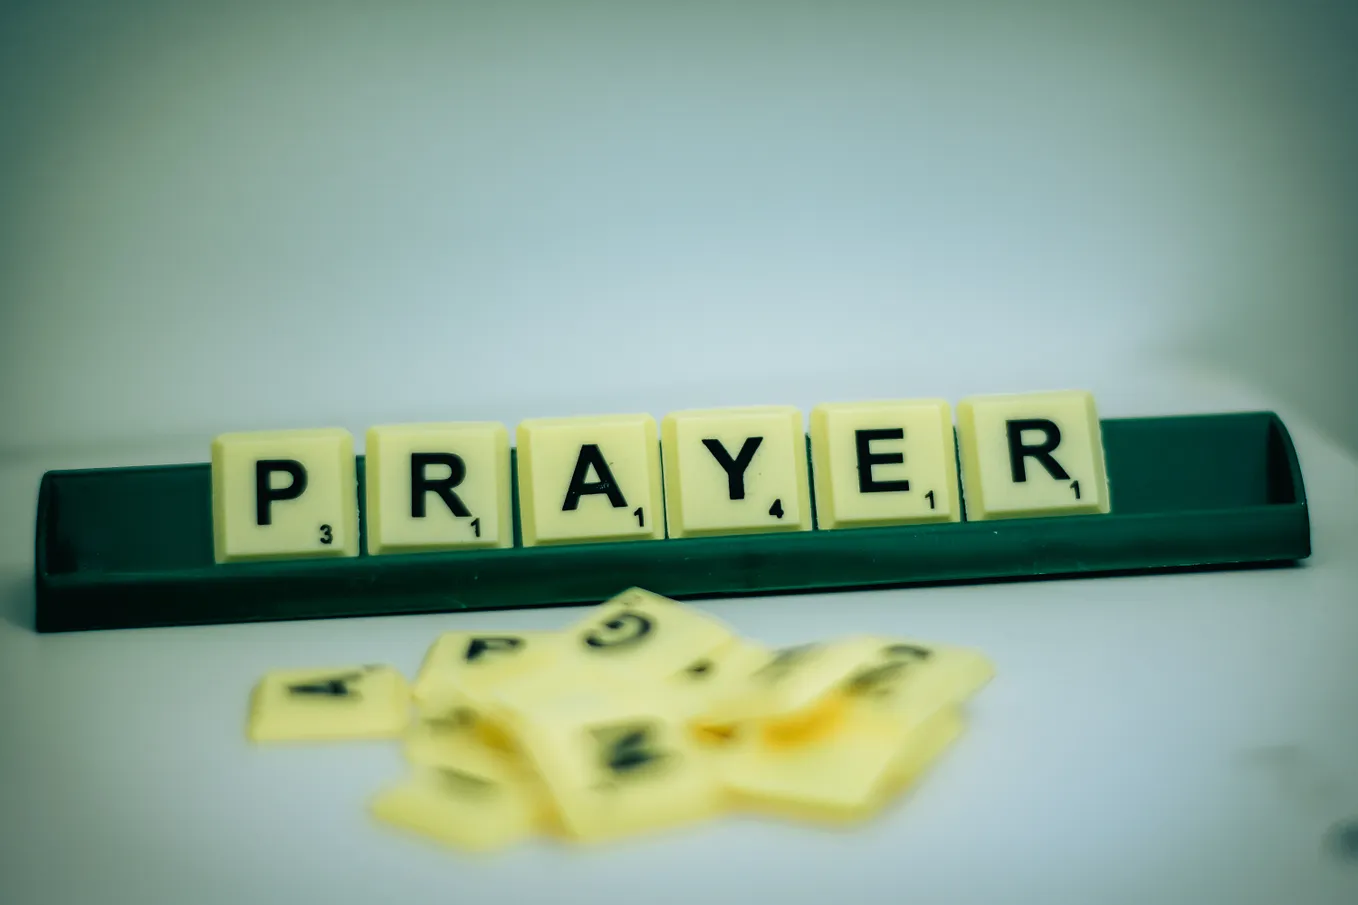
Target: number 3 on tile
<point>776,510</point>
<point>327,536</point>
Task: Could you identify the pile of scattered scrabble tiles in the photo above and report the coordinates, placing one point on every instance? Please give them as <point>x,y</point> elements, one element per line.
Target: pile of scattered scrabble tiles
<point>646,713</point>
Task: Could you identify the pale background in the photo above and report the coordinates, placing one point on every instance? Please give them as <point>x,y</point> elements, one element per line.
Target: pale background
<point>271,215</point>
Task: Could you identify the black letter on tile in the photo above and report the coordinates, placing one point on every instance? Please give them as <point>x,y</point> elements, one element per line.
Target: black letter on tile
<point>627,748</point>
<point>627,628</point>
<point>591,457</point>
<point>420,485</point>
<point>337,687</point>
<point>265,495</point>
<point>1042,452</point>
<point>480,646</point>
<point>734,468</point>
<point>867,458</point>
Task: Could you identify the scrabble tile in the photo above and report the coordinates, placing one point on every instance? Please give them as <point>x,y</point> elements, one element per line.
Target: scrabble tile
<point>453,742</point>
<point>848,774</point>
<point>913,679</point>
<point>342,703</point>
<point>926,744</point>
<point>842,775</point>
<point>460,666</point>
<point>790,685</point>
<point>543,697</point>
<point>735,471</point>
<point>1034,454</point>
<point>884,463</point>
<point>462,809</point>
<point>644,634</point>
<point>620,764</point>
<point>438,487</point>
<point>695,690</point>
<point>589,479</point>
<point>284,494</point>
<point>462,670</point>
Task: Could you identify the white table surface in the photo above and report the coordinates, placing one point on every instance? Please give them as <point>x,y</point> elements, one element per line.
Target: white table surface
<point>1158,738</point>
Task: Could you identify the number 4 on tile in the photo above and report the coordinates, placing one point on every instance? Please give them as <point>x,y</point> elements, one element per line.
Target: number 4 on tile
<point>776,510</point>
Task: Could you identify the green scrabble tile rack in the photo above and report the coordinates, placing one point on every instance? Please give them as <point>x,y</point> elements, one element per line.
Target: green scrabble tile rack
<point>128,547</point>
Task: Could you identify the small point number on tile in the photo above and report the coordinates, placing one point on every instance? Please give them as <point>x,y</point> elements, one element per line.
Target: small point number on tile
<point>1075,486</point>
<point>327,535</point>
<point>641,519</point>
<point>930,497</point>
<point>476,526</point>
<point>776,510</point>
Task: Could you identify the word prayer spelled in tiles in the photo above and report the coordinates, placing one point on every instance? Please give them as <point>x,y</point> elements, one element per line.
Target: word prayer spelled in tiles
<point>617,478</point>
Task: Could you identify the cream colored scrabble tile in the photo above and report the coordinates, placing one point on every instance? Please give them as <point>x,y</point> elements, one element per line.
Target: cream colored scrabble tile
<point>794,681</point>
<point>589,479</point>
<point>923,748</point>
<point>463,670</point>
<point>341,703</point>
<point>695,690</point>
<point>284,494</point>
<point>842,774</point>
<point>462,809</point>
<point>619,765</point>
<point>847,774</point>
<point>438,487</point>
<point>914,679</point>
<point>571,687</point>
<point>644,634</point>
<point>461,667</point>
<point>1033,454</point>
<point>884,463</point>
<point>735,471</point>
<point>454,742</point>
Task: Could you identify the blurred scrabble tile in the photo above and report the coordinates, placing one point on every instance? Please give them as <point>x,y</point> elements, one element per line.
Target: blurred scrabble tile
<point>462,670</point>
<point>570,687</point>
<point>735,471</point>
<point>319,704</point>
<point>884,463</point>
<point>467,810</point>
<point>460,666</point>
<point>438,487</point>
<point>453,741</point>
<point>695,690</point>
<point>649,635</point>
<point>926,744</point>
<point>618,765</point>
<point>1033,454</point>
<point>914,679</point>
<point>846,774</point>
<point>790,685</point>
<point>284,494</point>
<point>589,479</point>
